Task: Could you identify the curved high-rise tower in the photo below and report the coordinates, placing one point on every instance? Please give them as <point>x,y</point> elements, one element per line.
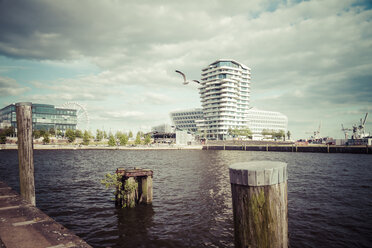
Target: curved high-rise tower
<point>224,92</point>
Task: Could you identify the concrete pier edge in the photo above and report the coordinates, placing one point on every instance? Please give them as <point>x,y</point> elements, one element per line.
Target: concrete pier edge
<point>23,225</point>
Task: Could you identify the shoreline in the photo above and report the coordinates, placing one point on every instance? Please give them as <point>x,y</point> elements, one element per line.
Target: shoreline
<point>100,147</point>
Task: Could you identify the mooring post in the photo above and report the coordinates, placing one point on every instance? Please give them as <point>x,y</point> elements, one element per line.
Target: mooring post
<point>147,189</point>
<point>267,147</point>
<point>260,204</point>
<point>327,148</point>
<point>25,151</point>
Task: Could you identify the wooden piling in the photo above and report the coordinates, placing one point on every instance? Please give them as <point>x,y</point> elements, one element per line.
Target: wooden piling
<point>260,204</point>
<point>25,151</point>
<point>146,189</point>
<point>136,186</point>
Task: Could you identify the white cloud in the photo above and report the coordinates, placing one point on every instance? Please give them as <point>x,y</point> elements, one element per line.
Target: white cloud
<point>9,87</point>
<point>308,59</point>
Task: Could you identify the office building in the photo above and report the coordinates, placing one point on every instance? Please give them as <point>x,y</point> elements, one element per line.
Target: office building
<point>187,119</point>
<point>44,116</point>
<point>163,128</point>
<point>225,94</point>
<point>259,120</point>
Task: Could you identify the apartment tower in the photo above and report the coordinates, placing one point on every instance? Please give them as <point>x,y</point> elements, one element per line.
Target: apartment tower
<point>224,92</point>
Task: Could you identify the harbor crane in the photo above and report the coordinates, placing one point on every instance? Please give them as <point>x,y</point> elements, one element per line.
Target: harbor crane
<point>316,133</point>
<point>358,130</point>
<point>346,131</point>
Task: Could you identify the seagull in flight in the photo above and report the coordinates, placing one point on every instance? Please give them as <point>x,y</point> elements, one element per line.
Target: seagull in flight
<point>184,78</point>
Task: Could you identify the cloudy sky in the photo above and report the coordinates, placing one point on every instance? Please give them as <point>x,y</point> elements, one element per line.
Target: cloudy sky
<point>310,60</point>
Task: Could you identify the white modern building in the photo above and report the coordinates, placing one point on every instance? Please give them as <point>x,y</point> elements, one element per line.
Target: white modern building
<point>225,93</point>
<point>258,120</point>
<point>163,128</point>
<point>187,119</point>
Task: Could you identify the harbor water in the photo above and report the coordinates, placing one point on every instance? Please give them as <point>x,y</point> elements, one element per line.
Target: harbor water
<point>329,196</point>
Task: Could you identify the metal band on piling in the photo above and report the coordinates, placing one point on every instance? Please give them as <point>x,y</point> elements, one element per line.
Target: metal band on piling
<point>260,205</point>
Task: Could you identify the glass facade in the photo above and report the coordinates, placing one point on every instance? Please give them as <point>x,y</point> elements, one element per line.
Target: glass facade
<point>187,119</point>
<point>44,116</point>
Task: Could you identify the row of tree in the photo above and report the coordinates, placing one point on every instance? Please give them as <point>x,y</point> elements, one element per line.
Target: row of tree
<point>6,132</point>
<point>245,132</point>
<point>123,138</point>
<point>275,134</point>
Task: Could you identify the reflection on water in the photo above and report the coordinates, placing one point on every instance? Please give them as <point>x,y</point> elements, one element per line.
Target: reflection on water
<point>329,196</point>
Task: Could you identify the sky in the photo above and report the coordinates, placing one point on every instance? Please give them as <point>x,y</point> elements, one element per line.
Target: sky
<point>310,60</point>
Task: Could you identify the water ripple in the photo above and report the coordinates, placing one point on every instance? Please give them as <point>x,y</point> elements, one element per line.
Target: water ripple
<point>329,196</point>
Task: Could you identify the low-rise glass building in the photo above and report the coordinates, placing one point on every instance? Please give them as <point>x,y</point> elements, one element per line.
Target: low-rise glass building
<point>44,116</point>
<point>259,120</point>
<point>187,119</point>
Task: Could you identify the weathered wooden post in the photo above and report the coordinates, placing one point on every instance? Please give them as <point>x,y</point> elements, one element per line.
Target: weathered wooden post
<point>146,196</point>
<point>260,205</point>
<point>25,151</point>
<point>136,187</point>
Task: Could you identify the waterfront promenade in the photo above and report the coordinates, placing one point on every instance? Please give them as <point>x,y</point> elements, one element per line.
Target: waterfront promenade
<point>105,147</point>
<point>272,146</point>
<point>269,146</point>
<point>22,225</point>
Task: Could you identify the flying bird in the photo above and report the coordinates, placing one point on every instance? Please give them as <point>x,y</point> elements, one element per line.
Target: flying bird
<point>184,78</point>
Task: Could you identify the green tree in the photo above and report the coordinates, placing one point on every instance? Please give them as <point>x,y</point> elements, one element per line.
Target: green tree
<point>118,134</point>
<point>2,138</point>
<point>71,136</point>
<point>289,135</point>
<point>111,141</point>
<point>99,135</point>
<point>246,132</point>
<point>9,131</point>
<point>36,134</point>
<point>46,139</point>
<point>138,139</point>
<point>59,133</point>
<point>123,139</point>
<point>52,131</point>
<point>266,132</point>
<point>78,133</point>
<point>130,134</point>
<point>86,138</point>
<point>147,139</point>
<point>105,135</point>
<point>4,133</point>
